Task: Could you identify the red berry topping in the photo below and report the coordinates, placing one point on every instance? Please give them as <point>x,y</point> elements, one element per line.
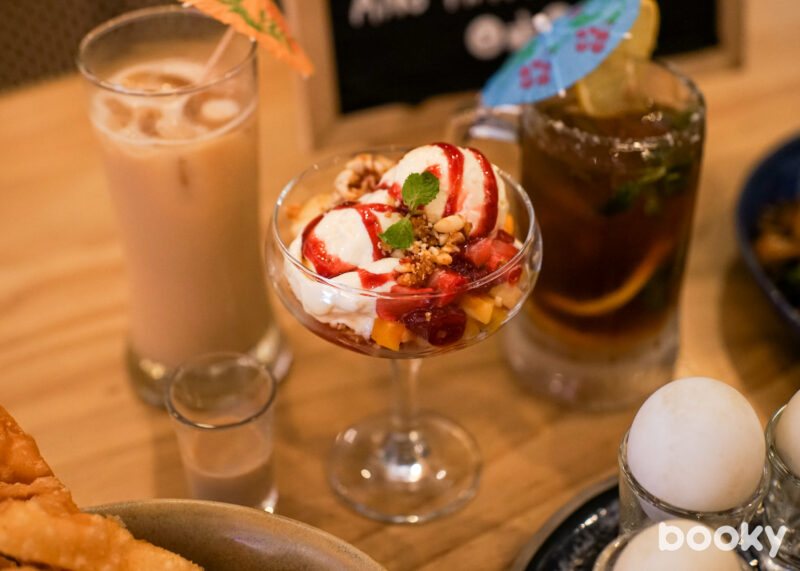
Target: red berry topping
<point>439,325</point>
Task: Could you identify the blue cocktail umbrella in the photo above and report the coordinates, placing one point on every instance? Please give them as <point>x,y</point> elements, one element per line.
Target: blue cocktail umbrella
<point>561,52</point>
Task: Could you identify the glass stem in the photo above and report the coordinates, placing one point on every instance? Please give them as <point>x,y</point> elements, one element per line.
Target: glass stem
<point>405,374</point>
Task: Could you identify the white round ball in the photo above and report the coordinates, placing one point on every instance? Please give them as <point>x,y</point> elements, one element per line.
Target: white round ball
<point>787,435</point>
<point>697,444</point>
<point>643,552</point>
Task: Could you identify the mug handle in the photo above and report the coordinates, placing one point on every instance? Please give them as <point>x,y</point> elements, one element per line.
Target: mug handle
<point>478,122</point>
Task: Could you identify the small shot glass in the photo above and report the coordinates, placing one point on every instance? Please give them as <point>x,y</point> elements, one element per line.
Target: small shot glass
<point>781,505</point>
<point>221,408</point>
<point>639,508</point>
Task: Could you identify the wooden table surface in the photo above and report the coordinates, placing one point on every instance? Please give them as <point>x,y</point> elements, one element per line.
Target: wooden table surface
<point>63,317</point>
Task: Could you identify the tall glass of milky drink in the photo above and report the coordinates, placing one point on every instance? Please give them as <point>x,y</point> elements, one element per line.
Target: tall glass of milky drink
<point>179,143</point>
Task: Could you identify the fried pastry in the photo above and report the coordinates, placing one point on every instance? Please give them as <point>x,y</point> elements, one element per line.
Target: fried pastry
<point>42,528</point>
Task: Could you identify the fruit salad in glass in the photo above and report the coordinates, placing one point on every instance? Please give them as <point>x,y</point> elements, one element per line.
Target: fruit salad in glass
<point>401,255</point>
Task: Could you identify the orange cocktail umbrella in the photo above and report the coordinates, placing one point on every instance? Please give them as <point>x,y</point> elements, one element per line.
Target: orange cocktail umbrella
<point>260,20</point>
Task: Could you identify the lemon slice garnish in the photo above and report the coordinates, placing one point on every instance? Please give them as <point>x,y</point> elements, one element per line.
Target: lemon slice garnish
<point>611,88</point>
<point>616,299</point>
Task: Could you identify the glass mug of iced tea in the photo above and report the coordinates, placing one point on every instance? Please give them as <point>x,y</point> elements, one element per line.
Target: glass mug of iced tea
<point>614,195</point>
<point>179,144</point>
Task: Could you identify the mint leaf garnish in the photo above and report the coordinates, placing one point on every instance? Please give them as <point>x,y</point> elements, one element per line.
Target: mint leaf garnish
<point>399,235</point>
<point>654,186</point>
<point>418,190</point>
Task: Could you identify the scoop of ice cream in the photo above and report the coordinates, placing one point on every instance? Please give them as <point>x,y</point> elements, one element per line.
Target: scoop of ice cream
<point>469,184</point>
<point>336,306</point>
<point>345,238</point>
<point>644,551</point>
<point>787,435</point>
<point>380,196</point>
<point>697,444</point>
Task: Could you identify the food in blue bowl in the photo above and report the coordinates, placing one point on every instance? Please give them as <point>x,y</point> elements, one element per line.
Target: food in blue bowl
<point>768,229</point>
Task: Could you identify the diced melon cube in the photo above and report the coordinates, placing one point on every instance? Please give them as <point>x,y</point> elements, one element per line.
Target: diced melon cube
<point>507,294</point>
<point>478,307</point>
<point>388,334</point>
<point>498,317</point>
<point>472,329</point>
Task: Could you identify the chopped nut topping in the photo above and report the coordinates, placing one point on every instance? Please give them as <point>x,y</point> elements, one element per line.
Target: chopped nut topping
<point>423,230</point>
<point>443,259</point>
<point>449,224</point>
<point>418,268</point>
<point>361,175</point>
<point>427,252</point>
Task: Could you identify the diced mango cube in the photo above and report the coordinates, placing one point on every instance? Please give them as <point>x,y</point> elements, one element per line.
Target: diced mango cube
<point>478,307</point>
<point>388,334</point>
<point>508,224</point>
<point>507,294</point>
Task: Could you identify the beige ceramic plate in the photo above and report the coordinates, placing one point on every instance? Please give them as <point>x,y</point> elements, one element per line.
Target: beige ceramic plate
<point>225,537</point>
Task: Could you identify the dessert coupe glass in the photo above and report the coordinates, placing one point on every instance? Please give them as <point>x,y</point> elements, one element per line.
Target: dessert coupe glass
<point>404,466</point>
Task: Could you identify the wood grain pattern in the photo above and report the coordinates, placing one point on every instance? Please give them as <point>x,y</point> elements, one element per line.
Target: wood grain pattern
<point>63,303</point>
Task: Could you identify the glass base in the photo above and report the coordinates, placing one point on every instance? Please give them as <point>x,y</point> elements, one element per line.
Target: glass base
<point>400,477</point>
<point>598,382</point>
<point>147,376</point>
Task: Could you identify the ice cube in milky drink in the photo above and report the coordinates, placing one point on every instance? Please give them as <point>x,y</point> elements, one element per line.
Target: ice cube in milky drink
<point>469,184</point>
<point>697,444</point>
<point>183,176</point>
<point>787,435</point>
<point>643,553</point>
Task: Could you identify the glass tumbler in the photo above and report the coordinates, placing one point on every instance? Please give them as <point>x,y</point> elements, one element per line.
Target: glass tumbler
<point>221,406</point>
<point>615,198</point>
<point>782,505</point>
<point>179,144</point>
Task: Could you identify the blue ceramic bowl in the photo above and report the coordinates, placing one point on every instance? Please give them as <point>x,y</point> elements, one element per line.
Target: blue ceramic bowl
<point>775,179</point>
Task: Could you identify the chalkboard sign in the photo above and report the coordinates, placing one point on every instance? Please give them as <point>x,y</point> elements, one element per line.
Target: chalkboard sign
<point>405,51</point>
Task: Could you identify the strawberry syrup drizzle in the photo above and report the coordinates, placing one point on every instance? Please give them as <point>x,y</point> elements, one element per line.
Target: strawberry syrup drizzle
<point>371,223</point>
<point>371,281</point>
<point>329,265</point>
<point>325,264</point>
<point>395,191</point>
<point>455,169</point>
<point>490,198</point>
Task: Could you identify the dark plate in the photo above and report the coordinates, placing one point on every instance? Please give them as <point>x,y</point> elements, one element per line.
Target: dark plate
<point>574,536</point>
<point>775,179</point>
<point>572,539</point>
